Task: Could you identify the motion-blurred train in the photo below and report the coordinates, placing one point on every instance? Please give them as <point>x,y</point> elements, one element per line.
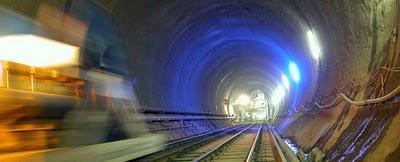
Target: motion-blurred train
<point>60,103</point>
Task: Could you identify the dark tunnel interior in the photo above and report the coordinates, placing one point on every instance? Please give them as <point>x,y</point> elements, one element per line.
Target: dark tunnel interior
<point>323,74</point>
<point>192,56</point>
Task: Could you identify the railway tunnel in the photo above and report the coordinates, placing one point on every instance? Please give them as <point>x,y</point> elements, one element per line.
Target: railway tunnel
<point>208,80</point>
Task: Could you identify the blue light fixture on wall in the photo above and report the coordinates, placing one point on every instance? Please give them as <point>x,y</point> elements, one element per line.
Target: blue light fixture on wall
<point>294,71</point>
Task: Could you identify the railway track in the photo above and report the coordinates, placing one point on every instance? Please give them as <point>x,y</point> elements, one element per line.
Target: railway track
<point>250,142</point>
<point>265,150</point>
<point>175,148</point>
<point>237,148</point>
<point>254,143</point>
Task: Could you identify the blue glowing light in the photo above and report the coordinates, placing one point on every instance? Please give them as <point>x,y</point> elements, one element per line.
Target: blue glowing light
<point>294,72</point>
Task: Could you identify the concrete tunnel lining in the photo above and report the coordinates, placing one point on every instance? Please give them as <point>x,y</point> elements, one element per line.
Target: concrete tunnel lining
<point>190,37</point>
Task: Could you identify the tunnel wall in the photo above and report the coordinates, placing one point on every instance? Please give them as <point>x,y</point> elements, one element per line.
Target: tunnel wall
<point>188,56</point>
<point>361,43</point>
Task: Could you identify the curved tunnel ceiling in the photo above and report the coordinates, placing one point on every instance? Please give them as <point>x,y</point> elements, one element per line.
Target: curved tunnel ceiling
<point>190,55</point>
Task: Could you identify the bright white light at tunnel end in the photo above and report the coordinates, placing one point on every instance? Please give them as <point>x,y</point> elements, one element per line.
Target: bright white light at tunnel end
<point>294,72</point>
<point>243,100</point>
<point>313,45</point>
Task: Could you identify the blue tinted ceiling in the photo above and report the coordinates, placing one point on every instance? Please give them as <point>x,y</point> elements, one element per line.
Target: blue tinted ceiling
<point>190,55</point>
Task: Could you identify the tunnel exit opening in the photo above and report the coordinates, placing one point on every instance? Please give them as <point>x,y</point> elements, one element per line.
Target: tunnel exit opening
<point>252,107</point>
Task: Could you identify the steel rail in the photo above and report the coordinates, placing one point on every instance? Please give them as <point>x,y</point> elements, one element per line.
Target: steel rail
<point>203,156</point>
<point>179,127</point>
<point>200,141</point>
<point>200,135</point>
<point>278,147</point>
<point>253,146</point>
